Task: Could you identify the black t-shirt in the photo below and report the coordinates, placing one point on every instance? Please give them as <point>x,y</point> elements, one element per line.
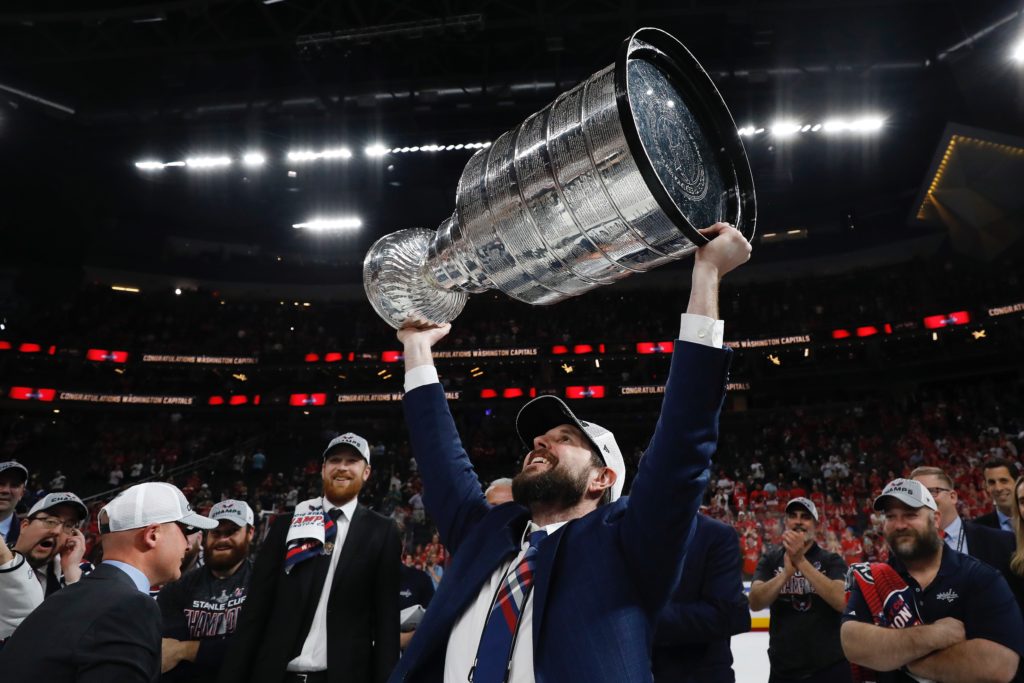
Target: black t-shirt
<point>804,629</point>
<point>416,588</point>
<point>199,606</point>
<point>964,588</point>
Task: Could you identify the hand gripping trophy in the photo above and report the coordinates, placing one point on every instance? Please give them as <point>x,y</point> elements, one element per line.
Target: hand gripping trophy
<point>612,178</point>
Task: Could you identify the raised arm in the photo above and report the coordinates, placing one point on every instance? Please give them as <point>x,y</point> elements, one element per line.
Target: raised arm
<point>674,470</point>
<point>451,491</point>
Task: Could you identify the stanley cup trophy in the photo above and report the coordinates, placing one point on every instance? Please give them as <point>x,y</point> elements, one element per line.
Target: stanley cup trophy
<point>613,178</point>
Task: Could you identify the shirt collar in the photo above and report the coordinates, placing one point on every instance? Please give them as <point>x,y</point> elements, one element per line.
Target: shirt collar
<point>549,529</point>
<point>348,509</point>
<point>1004,521</point>
<point>953,529</point>
<point>134,573</point>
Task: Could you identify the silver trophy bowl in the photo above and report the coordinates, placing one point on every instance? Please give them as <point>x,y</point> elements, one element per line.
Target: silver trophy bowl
<point>612,178</point>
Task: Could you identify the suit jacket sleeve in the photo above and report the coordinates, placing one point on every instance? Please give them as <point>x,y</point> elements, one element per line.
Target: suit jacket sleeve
<point>122,644</point>
<point>674,470</point>
<point>721,610</point>
<point>451,491</point>
<point>259,601</point>
<point>386,647</point>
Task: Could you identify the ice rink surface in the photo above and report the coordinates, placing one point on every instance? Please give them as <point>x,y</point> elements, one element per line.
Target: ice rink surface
<point>750,657</point>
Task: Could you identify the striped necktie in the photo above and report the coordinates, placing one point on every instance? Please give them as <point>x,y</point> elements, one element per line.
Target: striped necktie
<point>301,550</point>
<point>494,655</point>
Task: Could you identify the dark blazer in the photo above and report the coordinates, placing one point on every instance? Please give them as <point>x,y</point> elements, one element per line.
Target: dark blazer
<point>98,630</point>
<point>362,610</point>
<point>15,530</point>
<point>600,580</point>
<point>990,520</point>
<point>691,643</point>
<point>995,547</point>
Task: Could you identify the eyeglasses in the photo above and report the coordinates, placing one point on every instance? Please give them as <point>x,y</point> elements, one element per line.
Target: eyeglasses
<point>936,491</point>
<point>52,523</point>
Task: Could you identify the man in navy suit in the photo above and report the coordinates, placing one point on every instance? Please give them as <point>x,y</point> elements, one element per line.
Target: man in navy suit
<point>992,546</point>
<point>691,644</point>
<point>566,582</point>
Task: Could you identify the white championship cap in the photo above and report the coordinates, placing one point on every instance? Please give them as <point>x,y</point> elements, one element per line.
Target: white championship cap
<point>237,511</point>
<point>806,504</point>
<point>16,468</point>
<point>910,492</point>
<point>547,412</point>
<point>52,500</point>
<point>353,441</point>
<point>150,503</point>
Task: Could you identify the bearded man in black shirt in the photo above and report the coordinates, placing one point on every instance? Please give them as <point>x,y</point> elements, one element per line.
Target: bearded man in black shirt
<point>804,585</point>
<point>200,610</point>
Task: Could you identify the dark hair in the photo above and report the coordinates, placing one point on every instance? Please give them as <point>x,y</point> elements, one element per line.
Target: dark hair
<point>996,463</point>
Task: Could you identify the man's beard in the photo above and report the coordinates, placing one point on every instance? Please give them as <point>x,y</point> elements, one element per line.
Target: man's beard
<point>553,487</point>
<point>222,560</point>
<point>924,546</point>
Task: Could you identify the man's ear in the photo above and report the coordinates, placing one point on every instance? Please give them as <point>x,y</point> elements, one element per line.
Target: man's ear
<point>605,479</point>
<point>149,536</point>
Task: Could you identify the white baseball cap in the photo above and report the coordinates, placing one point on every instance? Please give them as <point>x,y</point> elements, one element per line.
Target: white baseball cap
<point>910,492</point>
<point>806,504</point>
<point>51,500</point>
<point>547,412</point>
<point>150,503</point>
<point>352,440</point>
<point>236,511</point>
<point>13,466</point>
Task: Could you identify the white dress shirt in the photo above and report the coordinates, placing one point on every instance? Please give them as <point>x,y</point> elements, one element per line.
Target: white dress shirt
<point>465,636</point>
<point>313,656</point>
<point>956,535</point>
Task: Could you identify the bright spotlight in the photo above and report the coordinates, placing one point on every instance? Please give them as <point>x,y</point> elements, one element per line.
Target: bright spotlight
<point>376,150</point>
<point>177,291</point>
<point>1018,52</point>
<point>330,224</point>
<point>207,162</point>
<point>303,155</point>
<point>867,124</point>
<point>835,126</point>
<point>254,159</point>
<point>149,165</point>
<point>783,129</point>
<point>336,153</point>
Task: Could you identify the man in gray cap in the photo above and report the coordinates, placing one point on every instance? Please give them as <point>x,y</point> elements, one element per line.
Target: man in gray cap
<point>803,585</point>
<point>323,602</point>
<point>931,613</point>
<point>13,476</point>
<point>566,585</point>
<point>51,527</point>
<point>200,610</point>
<point>106,627</point>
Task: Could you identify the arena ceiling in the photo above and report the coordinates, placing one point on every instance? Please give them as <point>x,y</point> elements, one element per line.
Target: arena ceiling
<point>89,88</point>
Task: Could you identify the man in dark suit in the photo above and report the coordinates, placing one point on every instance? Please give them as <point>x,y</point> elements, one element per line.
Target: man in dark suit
<point>691,643</point>
<point>999,478</point>
<point>993,546</point>
<point>566,582</point>
<point>106,627</point>
<point>323,601</point>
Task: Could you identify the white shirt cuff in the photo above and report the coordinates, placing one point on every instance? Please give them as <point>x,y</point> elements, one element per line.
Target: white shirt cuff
<point>700,329</point>
<point>419,376</point>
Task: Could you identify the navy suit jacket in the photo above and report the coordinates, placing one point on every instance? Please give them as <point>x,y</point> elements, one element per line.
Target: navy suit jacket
<point>98,630</point>
<point>990,520</point>
<point>600,580</point>
<point>995,547</point>
<point>708,607</point>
